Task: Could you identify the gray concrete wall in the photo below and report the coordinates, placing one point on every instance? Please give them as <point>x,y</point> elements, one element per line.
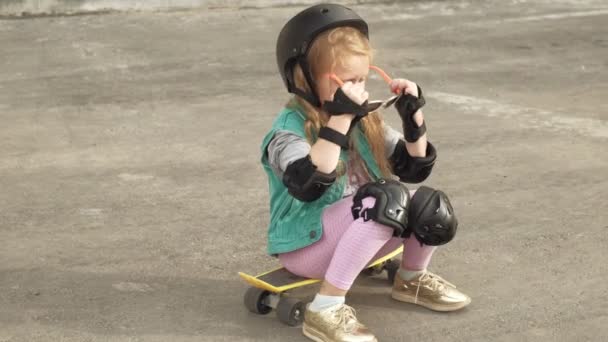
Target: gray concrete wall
<point>41,7</point>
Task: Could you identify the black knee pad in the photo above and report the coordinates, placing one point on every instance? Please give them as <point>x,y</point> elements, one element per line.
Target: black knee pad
<point>391,207</point>
<point>431,217</point>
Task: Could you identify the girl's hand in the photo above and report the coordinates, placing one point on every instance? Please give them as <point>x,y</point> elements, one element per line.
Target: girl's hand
<point>356,92</point>
<point>350,99</point>
<point>408,106</point>
<point>399,85</point>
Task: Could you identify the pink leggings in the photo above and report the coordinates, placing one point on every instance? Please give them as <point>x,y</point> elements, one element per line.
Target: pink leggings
<point>348,245</point>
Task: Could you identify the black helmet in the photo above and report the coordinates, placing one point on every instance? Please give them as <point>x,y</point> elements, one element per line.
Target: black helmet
<point>297,36</point>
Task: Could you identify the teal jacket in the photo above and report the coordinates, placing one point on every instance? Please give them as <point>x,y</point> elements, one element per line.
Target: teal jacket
<point>295,224</point>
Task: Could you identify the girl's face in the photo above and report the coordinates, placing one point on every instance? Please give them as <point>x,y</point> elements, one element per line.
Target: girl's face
<point>355,70</point>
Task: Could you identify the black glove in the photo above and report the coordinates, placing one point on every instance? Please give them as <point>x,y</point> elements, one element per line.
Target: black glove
<point>342,104</point>
<point>407,105</point>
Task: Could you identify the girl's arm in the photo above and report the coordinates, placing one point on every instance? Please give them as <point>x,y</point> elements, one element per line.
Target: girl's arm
<point>418,148</point>
<point>307,171</point>
<point>410,166</point>
<point>409,109</point>
<point>325,154</point>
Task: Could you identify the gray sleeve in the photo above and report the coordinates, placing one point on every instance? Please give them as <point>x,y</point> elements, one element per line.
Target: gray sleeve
<point>391,138</point>
<point>284,148</point>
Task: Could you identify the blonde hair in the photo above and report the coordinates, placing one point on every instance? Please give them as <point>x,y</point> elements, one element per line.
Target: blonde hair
<point>330,48</point>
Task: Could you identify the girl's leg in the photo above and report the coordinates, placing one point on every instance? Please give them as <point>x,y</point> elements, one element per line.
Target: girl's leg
<point>312,261</point>
<point>345,248</point>
<point>355,250</point>
<point>328,318</point>
<point>415,284</point>
<point>416,256</point>
<point>388,247</point>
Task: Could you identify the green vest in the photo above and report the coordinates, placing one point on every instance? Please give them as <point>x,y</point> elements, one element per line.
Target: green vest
<point>295,224</point>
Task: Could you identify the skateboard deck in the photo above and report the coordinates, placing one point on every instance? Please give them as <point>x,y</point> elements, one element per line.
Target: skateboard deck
<point>280,279</point>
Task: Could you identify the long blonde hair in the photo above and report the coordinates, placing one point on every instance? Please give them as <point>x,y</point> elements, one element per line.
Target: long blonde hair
<point>330,48</point>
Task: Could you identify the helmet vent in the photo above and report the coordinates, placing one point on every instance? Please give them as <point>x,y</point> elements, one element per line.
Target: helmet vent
<point>324,10</point>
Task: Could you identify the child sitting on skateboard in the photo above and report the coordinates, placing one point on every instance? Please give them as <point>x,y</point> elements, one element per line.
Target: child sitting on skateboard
<point>331,162</point>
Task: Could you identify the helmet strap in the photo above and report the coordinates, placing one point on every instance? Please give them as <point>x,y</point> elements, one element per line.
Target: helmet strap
<point>311,97</point>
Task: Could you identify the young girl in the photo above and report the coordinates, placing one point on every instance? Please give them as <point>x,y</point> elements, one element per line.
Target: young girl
<point>331,160</point>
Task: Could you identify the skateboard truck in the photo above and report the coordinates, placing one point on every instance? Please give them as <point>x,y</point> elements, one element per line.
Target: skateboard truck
<point>290,310</point>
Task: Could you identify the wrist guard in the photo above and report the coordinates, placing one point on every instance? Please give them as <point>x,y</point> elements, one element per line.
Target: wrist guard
<point>334,136</point>
<point>407,105</point>
<point>342,104</point>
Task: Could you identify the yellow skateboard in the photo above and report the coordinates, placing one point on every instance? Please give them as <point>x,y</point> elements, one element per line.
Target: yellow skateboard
<point>268,290</point>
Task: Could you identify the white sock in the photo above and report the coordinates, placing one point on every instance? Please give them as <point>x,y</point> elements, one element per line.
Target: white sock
<point>322,302</point>
<point>409,275</point>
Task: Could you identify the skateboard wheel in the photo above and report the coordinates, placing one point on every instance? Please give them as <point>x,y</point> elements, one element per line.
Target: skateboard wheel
<point>291,311</point>
<point>391,269</point>
<point>254,301</point>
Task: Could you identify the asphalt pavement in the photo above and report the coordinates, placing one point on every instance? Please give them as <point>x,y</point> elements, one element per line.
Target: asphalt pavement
<point>132,193</point>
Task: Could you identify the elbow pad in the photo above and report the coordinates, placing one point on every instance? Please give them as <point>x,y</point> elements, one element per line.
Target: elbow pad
<point>412,169</point>
<point>304,182</point>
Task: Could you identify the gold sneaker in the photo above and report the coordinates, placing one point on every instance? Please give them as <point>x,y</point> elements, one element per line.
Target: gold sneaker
<point>336,324</point>
<point>430,291</point>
